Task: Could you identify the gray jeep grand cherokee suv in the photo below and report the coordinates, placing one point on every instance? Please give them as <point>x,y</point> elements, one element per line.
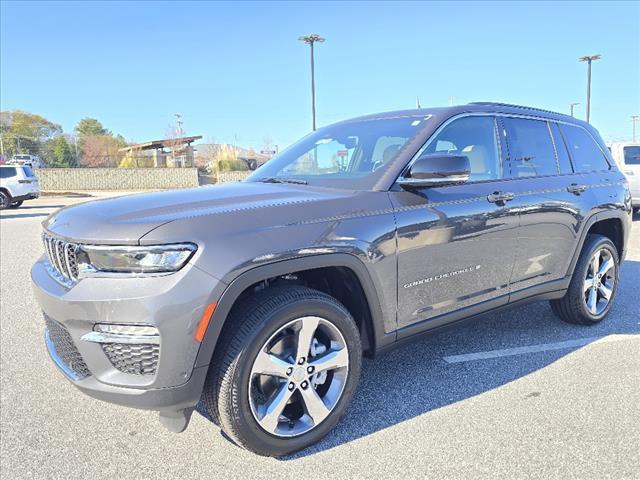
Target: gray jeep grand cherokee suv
<point>255,301</point>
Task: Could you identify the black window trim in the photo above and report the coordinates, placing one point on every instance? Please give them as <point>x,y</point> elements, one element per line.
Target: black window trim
<point>497,116</point>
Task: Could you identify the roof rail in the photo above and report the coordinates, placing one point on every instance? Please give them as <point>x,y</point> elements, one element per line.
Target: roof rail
<point>499,104</point>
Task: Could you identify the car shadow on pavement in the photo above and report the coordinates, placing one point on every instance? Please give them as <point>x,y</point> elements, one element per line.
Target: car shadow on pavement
<point>415,379</point>
<point>41,206</point>
<point>23,215</point>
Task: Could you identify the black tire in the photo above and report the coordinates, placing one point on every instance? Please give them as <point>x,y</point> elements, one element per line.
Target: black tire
<point>250,325</point>
<point>5,200</point>
<point>16,204</point>
<point>572,307</point>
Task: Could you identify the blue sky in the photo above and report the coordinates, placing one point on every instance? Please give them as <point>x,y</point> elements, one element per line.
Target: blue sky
<point>236,70</point>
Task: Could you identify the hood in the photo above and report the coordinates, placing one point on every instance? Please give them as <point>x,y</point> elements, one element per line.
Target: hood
<point>124,220</point>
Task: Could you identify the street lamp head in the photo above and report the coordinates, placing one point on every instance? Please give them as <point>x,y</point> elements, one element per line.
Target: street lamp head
<point>312,38</point>
<point>589,58</point>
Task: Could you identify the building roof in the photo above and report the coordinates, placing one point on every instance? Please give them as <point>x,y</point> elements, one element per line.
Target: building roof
<point>156,144</point>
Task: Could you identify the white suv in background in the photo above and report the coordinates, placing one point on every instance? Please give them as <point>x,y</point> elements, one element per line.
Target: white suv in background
<point>627,156</point>
<point>32,161</point>
<point>17,184</point>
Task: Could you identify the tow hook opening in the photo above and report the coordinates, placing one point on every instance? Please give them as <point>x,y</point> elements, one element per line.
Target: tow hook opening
<point>176,421</point>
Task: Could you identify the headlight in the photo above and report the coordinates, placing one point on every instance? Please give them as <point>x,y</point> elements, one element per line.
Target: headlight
<point>96,259</point>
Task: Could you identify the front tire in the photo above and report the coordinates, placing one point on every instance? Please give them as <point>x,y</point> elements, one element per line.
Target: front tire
<point>593,286</point>
<point>16,204</point>
<point>285,371</point>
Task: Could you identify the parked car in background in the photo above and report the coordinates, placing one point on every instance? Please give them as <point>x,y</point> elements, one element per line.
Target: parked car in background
<point>17,184</point>
<point>32,161</point>
<point>627,156</point>
<point>255,301</point>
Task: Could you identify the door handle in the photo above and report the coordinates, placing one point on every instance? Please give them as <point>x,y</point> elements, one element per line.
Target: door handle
<point>500,197</point>
<point>576,189</point>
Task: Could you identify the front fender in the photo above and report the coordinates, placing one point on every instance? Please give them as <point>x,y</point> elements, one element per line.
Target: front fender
<point>255,275</point>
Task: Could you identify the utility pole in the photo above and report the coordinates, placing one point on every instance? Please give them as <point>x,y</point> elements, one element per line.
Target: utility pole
<point>634,119</point>
<point>311,40</point>
<point>589,59</point>
<point>75,144</point>
<point>178,124</point>
<point>572,105</point>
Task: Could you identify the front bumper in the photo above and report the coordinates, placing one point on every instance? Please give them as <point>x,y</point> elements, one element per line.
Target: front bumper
<point>173,304</point>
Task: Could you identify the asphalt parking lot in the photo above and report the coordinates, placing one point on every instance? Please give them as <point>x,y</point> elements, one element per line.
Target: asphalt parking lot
<point>514,395</point>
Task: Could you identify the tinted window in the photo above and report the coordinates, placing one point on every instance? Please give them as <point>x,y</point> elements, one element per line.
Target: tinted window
<point>531,152</point>
<point>28,172</point>
<point>7,172</point>
<point>632,155</point>
<point>585,153</point>
<point>561,149</point>
<point>474,137</point>
<point>345,155</point>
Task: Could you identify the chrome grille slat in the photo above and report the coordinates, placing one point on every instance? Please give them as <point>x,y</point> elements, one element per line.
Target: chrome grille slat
<point>62,259</point>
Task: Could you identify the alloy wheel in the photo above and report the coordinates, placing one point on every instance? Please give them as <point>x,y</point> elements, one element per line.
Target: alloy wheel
<point>298,376</point>
<point>599,282</point>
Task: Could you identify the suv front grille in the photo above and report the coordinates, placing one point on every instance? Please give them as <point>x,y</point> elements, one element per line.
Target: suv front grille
<point>62,256</point>
<point>135,359</point>
<point>65,349</point>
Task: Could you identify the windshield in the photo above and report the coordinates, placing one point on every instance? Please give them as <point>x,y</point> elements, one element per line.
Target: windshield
<point>632,155</point>
<point>347,155</point>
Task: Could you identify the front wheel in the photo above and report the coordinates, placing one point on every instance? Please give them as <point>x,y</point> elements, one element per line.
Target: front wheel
<point>286,370</point>
<point>16,204</point>
<point>593,285</point>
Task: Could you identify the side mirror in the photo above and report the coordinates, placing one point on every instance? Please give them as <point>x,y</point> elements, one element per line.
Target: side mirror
<point>436,169</point>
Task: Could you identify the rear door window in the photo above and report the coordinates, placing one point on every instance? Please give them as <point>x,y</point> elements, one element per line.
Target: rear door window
<point>7,172</point>
<point>564,162</point>
<point>632,155</point>
<point>585,153</point>
<point>531,152</point>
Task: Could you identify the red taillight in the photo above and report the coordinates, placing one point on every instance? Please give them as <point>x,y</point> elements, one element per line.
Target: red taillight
<point>24,181</point>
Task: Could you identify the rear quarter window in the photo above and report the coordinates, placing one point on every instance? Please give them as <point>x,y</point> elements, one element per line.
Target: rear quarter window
<point>584,151</point>
<point>632,155</point>
<point>28,172</point>
<point>7,172</point>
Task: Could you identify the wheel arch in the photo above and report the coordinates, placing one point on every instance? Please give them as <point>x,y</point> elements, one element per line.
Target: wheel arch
<point>611,224</point>
<point>372,318</point>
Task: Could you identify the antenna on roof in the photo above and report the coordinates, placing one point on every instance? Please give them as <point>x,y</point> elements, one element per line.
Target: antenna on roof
<point>418,102</point>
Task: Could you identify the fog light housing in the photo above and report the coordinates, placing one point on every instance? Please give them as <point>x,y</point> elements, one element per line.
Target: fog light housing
<point>131,349</point>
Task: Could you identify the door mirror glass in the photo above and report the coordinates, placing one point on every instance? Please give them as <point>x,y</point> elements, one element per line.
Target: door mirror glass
<point>436,169</point>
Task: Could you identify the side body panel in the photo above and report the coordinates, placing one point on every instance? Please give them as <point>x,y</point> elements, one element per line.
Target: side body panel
<point>455,249</point>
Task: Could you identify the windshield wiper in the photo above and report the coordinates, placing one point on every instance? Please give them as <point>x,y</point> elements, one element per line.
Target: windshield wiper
<point>295,181</point>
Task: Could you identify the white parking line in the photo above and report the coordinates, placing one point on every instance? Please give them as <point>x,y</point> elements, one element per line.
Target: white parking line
<point>543,347</point>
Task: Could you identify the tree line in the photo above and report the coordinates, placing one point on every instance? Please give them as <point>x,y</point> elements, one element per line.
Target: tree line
<point>90,144</point>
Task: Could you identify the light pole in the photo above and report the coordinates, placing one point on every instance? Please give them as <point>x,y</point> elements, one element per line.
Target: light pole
<point>572,105</point>
<point>634,119</point>
<point>589,59</point>
<point>311,39</point>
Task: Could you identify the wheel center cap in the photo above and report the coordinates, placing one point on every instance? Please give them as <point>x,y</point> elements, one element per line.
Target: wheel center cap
<point>298,374</point>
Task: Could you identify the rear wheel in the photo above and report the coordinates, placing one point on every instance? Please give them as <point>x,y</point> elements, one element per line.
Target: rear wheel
<point>593,285</point>
<point>15,204</point>
<point>5,200</point>
<point>286,370</point>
